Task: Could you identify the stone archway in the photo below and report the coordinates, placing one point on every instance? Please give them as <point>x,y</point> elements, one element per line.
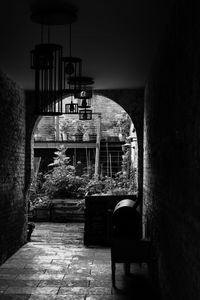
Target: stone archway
<point>132,101</point>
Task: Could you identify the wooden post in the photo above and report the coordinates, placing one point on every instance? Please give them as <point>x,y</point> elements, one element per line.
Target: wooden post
<point>96,172</point>
<point>57,137</point>
<point>87,160</point>
<point>110,159</point>
<point>107,157</point>
<point>74,158</point>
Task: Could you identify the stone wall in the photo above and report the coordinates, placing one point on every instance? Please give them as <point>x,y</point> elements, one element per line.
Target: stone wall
<point>172,156</point>
<point>12,168</point>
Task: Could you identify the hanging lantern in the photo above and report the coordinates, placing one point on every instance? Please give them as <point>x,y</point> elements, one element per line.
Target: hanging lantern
<point>46,58</point>
<point>71,108</point>
<point>84,98</point>
<point>46,61</point>
<point>83,90</point>
<point>84,93</point>
<point>85,114</point>
<point>84,103</point>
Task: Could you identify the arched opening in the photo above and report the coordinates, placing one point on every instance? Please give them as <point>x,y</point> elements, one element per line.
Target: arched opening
<point>117,161</point>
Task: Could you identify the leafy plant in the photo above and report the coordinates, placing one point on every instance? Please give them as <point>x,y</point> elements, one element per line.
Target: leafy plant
<point>67,126</point>
<point>62,181</point>
<point>111,186</point>
<point>70,126</point>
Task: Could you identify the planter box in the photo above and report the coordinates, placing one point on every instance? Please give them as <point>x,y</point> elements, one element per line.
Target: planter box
<point>42,214</point>
<point>98,213</point>
<point>64,214</point>
<point>66,210</point>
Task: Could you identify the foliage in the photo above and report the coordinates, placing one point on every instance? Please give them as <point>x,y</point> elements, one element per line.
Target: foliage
<point>60,159</point>
<point>119,185</point>
<point>124,182</point>
<point>123,122</point>
<point>36,196</point>
<point>40,201</point>
<point>71,126</point>
<point>50,129</point>
<point>67,127</point>
<point>62,181</point>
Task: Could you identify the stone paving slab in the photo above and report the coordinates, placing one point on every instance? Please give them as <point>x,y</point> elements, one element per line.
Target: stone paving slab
<point>18,283</point>
<point>14,297</point>
<point>55,265</point>
<point>57,297</point>
<point>32,290</point>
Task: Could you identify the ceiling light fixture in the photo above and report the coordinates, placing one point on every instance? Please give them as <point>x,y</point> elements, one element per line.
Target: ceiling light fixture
<point>47,61</point>
<point>58,76</point>
<point>83,94</point>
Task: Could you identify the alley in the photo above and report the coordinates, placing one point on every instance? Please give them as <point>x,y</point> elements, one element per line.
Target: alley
<point>55,265</point>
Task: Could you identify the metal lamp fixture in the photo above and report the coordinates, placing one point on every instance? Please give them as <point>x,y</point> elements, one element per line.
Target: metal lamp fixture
<point>83,89</point>
<point>58,76</point>
<point>83,93</point>
<point>71,66</point>
<point>85,114</point>
<point>47,61</point>
<point>71,108</point>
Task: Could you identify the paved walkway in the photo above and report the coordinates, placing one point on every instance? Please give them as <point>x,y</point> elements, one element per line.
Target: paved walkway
<point>55,265</point>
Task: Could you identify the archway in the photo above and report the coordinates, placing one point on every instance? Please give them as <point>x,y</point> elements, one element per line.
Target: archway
<point>130,100</point>
<point>118,151</point>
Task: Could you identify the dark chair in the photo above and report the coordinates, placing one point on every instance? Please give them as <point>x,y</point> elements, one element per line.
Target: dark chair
<point>129,251</point>
<point>126,244</point>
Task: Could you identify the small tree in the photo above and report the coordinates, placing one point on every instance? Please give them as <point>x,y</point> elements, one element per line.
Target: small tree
<point>62,181</point>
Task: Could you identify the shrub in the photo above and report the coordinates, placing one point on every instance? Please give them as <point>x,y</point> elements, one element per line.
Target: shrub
<point>111,186</point>
<point>61,181</point>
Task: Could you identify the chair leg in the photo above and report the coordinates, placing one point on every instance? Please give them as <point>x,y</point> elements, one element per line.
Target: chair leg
<point>113,267</point>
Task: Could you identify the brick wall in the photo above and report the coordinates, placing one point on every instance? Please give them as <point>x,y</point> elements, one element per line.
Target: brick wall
<point>172,156</point>
<point>12,168</point>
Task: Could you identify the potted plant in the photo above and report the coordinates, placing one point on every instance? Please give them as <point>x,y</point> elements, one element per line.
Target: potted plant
<point>50,132</point>
<point>92,134</point>
<point>67,128</point>
<point>80,130</point>
<point>78,135</point>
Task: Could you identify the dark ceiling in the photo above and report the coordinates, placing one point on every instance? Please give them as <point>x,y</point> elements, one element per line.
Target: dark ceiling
<point>117,40</point>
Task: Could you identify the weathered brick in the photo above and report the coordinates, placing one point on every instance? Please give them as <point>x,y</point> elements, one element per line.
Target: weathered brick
<point>171,156</point>
<point>12,164</point>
